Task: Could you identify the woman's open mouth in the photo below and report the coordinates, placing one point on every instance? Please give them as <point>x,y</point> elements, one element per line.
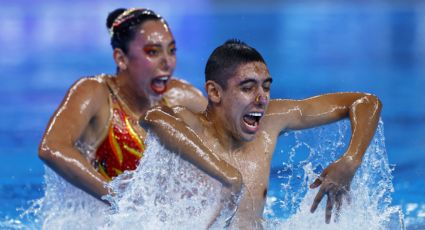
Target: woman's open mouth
<point>159,84</point>
<point>252,120</point>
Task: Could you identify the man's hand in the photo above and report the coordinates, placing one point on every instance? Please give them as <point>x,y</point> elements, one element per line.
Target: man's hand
<point>334,182</point>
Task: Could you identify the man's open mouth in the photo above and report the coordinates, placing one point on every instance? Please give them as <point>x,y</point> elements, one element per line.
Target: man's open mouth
<point>159,84</point>
<point>252,120</point>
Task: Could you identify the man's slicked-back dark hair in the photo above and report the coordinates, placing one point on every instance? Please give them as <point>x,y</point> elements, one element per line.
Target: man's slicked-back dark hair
<point>225,58</point>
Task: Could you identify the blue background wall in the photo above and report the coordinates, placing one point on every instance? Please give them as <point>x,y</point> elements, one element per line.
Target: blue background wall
<point>311,47</point>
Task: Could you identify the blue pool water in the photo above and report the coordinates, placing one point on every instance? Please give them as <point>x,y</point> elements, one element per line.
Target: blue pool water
<point>310,47</point>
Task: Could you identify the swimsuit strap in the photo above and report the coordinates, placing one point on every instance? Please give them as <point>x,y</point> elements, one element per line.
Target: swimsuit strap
<point>123,146</point>
<point>109,83</point>
<point>117,101</point>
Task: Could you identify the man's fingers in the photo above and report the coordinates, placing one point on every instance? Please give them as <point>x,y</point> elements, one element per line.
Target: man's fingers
<point>338,204</point>
<point>316,183</point>
<point>348,198</point>
<point>329,205</point>
<point>320,179</point>
<point>317,200</point>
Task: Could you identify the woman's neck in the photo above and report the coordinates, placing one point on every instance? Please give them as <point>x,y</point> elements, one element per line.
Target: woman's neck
<point>137,104</point>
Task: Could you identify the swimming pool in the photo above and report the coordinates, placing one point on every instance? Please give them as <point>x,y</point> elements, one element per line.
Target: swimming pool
<point>311,48</point>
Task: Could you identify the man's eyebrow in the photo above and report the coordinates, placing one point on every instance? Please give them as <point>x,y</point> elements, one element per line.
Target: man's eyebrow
<point>249,80</point>
<point>269,79</point>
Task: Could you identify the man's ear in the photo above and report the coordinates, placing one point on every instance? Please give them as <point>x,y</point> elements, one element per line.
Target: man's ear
<point>120,58</point>
<point>214,91</point>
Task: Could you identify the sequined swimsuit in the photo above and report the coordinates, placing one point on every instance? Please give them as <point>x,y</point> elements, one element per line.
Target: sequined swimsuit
<point>122,148</point>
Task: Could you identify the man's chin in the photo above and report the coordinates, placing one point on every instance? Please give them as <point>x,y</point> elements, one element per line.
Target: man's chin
<point>247,137</point>
<point>248,133</point>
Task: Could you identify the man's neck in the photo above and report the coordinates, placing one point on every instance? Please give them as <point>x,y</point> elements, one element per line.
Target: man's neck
<point>218,128</point>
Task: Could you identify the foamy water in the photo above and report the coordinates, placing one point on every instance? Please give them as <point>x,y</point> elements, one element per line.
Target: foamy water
<point>166,192</point>
<point>370,195</point>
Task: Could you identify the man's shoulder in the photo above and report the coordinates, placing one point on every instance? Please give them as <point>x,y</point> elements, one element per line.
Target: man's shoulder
<point>279,113</point>
<point>280,108</point>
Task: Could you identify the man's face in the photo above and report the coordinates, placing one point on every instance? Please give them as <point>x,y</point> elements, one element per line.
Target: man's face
<point>245,100</point>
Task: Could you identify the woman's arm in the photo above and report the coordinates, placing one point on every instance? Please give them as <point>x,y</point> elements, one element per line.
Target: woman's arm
<point>57,148</point>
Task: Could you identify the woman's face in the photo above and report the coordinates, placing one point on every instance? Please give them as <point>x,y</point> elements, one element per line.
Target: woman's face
<point>151,59</point>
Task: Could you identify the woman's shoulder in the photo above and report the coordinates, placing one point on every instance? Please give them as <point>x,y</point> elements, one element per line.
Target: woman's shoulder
<point>93,83</point>
<point>183,93</point>
<point>182,84</point>
<point>90,86</point>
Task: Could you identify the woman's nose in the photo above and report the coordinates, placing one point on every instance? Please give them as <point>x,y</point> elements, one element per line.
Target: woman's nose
<point>168,61</point>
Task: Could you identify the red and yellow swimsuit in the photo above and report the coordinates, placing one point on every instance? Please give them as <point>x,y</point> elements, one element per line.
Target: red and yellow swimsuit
<point>122,148</point>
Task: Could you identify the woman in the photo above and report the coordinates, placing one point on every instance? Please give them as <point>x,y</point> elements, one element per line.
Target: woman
<point>94,134</point>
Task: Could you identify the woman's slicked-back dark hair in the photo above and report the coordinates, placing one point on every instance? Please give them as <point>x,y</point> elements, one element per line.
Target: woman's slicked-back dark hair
<point>226,57</point>
<point>123,24</point>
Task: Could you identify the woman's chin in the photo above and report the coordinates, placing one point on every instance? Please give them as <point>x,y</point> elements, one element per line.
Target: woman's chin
<point>154,98</point>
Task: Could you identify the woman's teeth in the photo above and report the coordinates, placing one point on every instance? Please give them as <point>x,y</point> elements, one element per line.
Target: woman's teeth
<point>165,78</point>
<point>159,84</point>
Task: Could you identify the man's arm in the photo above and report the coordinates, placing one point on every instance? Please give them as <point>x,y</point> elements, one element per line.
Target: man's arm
<point>178,137</point>
<point>363,111</point>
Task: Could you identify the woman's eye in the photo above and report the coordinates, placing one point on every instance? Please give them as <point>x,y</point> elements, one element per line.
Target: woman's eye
<point>151,51</point>
<point>173,50</point>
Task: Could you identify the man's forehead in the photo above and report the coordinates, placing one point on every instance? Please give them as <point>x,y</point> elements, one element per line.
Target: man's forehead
<point>251,70</point>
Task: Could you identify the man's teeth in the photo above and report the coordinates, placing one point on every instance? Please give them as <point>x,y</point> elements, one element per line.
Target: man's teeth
<point>255,114</point>
<point>253,117</point>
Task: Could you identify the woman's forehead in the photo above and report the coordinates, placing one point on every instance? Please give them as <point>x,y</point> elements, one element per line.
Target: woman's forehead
<point>154,31</point>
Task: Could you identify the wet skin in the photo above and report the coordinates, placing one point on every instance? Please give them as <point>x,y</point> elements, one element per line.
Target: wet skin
<point>84,115</point>
<point>228,130</point>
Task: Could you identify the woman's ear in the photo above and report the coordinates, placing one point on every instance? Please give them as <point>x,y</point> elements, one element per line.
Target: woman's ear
<point>120,58</point>
<point>214,91</point>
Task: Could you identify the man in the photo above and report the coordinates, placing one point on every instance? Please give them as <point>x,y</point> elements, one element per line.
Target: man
<point>238,130</point>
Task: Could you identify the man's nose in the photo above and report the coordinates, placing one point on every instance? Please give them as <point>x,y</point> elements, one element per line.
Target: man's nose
<point>262,98</point>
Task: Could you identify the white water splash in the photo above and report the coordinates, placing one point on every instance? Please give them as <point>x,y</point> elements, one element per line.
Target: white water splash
<point>165,192</point>
<point>371,188</point>
<point>63,207</point>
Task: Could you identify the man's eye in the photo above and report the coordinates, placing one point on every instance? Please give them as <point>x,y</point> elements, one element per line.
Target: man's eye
<point>247,88</point>
<point>266,86</point>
